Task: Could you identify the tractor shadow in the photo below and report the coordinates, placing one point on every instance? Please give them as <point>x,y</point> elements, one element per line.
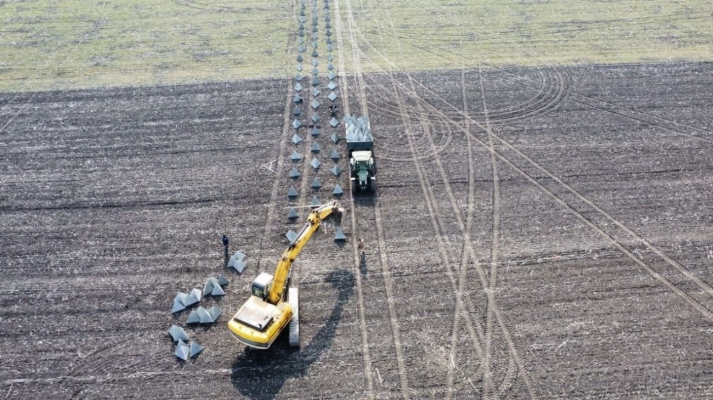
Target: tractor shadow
<point>260,374</point>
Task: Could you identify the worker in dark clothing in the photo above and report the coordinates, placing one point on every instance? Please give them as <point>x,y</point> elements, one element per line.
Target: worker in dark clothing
<point>225,245</point>
<point>333,109</point>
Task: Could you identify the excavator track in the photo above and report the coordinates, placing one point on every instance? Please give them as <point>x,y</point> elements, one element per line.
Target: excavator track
<point>294,329</point>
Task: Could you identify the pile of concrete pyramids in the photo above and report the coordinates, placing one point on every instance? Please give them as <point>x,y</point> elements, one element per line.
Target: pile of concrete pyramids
<point>184,351</point>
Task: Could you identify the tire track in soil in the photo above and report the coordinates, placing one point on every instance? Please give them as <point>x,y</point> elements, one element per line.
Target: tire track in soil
<point>377,214</point>
<point>703,285</point>
<point>503,326</point>
<point>495,240</point>
<point>21,109</point>
<point>357,261</point>
<point>464,257</point>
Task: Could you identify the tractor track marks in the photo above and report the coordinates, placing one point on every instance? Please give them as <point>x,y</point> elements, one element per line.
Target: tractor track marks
<point>503,327</point>
<point>383,258</point>
<point>344,88</point>
<point>700,283</point>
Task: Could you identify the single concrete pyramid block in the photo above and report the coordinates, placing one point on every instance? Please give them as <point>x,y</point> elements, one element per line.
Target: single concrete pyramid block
<point>315,118</point>
<point>314,52</point>
<point>301,49</point>
<point>298,87</point>
<point>302,12</point>
<point>335,138</point>
<point>204,315</point>
<point>298,77</point>
<point>208,287</point>
<point>296,139</point>
<point>336,170</point>
<point>299,67</point>
<point>299,59</point>
<point>335,155</point>
<point>315,131</point>
<point>196,294</point>
<point>292,214</point>
<point>232,262</point>
<point>316,184</point>
<point>291,236</point>
<point>330,48</point>
<point>222,281</point>
<point>295,156</point>
<point>314,46</point>
<point>292,192</point>
<point>338,190</point>
<point>331,85</point>
<point>182,351</point>
<point>315,92</point>
<point>331,75</point>
<point>294,173</point>
<point>328,32</point>
<point>329,39</point>
<point>315,202</point>
<point>300,40</point>
<point>315,81</point>
<point>177,306</point>
<point>315,72</point>
<point>296,123</point>
<point>330,66</point>
<point>327,25</point>
<point>315,62</point>
<point>215,312</point>
<point>177,333</point>
<point>302,18</point>
<point>334,122</point>
<point>314,29</point>
<point>218,291</point>
<point>181,298</point>
<point>327,18</point>
<point>315,163</point>
<point>315,104</point>
<point>296,112</point>
<point>332,96</point>
<point>193,318</point>
<point>330,57</point>
<point>239,255</point>
<point>300,33</point>
<point>195,348</point>
<point>314,37</point>
<point>240,266</point>
<point>297,99</point>
<point>339,236</point>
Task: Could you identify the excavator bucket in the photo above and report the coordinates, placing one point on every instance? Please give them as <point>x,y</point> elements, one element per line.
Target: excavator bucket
<point>335,218</point>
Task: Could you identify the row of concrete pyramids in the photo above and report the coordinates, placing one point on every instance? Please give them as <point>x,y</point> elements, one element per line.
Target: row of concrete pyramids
<point>211,288</point>
<point>204,316</point>
<point>297,139</point>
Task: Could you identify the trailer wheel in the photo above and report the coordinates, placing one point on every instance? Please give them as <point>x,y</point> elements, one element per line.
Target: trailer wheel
<point>294,328</point>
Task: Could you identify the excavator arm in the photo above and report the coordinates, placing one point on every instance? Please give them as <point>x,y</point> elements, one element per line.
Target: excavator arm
<point>284,267</point>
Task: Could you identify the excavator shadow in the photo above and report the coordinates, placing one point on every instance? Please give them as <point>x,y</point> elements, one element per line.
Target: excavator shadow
<point>260,374</point>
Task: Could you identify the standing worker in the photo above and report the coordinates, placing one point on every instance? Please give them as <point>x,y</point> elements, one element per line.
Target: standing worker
<point>225,245</point>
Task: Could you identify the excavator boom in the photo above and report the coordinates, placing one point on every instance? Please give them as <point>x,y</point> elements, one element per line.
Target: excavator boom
<point>282,272</point>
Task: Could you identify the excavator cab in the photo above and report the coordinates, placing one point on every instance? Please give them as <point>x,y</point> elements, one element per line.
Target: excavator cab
<point>261,285</point>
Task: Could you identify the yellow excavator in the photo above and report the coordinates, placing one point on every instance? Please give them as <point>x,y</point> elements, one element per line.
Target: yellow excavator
<point>273,304</point>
